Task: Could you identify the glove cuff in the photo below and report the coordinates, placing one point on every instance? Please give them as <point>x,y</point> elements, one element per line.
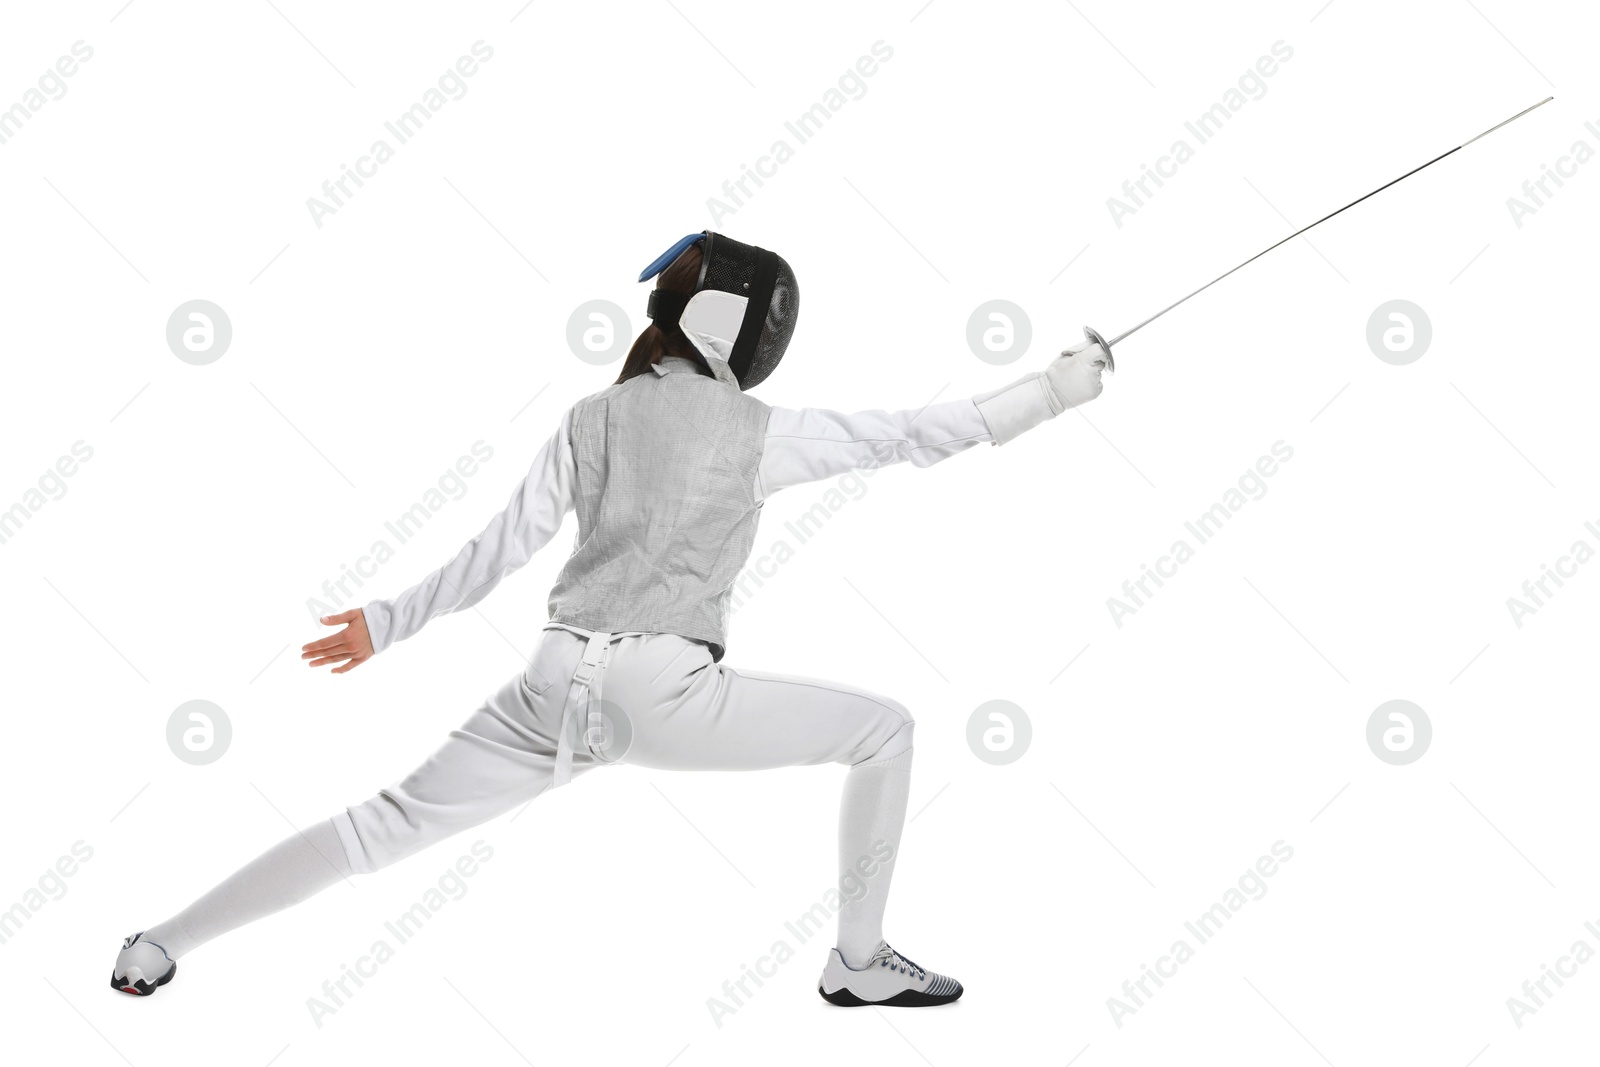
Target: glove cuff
<point>1012,410</point>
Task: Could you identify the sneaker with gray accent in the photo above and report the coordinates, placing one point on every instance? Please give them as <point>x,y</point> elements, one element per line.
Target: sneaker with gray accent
<point>888,979</point>
<point>142,966</point>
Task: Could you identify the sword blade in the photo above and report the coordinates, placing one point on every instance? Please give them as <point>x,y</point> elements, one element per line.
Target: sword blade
<point>1325,218</point>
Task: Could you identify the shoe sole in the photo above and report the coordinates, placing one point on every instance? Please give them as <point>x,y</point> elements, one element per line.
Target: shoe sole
<point>142,988</point>
<point>906,998</point>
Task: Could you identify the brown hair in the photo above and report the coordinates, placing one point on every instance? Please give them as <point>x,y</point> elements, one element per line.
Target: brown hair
<point>655,342</point>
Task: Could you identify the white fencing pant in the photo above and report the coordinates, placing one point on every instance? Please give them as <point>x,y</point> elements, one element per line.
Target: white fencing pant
<point>588,699</point>
<point>655,700</point>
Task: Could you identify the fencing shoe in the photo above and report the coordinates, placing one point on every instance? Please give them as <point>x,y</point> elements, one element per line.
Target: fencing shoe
<point>888,978</point>
<point>141,967</point>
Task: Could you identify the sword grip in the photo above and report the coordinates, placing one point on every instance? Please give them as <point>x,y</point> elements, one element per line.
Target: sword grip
<point>1093,336</point>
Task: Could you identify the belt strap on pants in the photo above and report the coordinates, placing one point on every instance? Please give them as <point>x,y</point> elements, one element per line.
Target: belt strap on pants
<point>585,689</point>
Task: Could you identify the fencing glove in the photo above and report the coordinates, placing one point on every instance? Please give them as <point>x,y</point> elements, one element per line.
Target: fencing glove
<point>1074,375</point>
<point>1072,378</point>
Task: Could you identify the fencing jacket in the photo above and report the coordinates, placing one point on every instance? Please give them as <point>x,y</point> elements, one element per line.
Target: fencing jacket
<point>667,472</point>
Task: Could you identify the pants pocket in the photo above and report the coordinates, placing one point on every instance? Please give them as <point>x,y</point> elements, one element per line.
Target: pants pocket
<point>552,661</point>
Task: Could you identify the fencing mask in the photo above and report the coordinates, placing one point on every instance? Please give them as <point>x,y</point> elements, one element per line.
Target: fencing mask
<point>743,308</point>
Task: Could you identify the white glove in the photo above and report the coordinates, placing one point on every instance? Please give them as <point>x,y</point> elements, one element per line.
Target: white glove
<point>1074,376</point>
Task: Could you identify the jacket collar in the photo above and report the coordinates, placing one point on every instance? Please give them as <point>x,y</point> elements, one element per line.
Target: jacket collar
<point>679,364</point>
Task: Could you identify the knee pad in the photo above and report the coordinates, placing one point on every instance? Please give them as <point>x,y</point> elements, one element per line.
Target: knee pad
<point>898,743</point>
<point>354,851</point>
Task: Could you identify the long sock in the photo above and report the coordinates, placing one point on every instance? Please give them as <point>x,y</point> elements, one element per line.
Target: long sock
<point>871,816</point>
<point>297,867</point>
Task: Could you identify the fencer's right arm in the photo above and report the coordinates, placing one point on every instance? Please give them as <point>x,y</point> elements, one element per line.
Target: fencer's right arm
<point>1071,379</point>
<point>809,444</point>
<point>529,521</point>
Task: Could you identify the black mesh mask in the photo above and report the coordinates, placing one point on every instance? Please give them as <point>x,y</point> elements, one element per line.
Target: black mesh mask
<point>747,313</point>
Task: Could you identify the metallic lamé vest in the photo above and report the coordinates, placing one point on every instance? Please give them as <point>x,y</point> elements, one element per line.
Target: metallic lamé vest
<point>665,494</point>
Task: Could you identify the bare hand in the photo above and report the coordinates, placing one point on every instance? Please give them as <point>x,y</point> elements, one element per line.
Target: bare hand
<point>352,645</point>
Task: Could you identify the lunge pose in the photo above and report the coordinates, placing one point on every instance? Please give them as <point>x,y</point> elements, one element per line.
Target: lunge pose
<point>667,470</point>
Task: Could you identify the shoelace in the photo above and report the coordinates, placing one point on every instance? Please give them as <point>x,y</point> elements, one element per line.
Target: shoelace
<point>888,957</point>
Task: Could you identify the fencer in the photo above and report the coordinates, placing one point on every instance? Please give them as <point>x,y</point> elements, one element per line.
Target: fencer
<point>667,470</point>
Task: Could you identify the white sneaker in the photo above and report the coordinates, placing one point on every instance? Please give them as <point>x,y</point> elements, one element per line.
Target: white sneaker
<point>141,967</point>
<point>888,978</point>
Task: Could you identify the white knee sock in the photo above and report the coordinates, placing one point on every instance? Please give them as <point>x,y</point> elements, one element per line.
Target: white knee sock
<point>297,867</point>
<point>870,819</point>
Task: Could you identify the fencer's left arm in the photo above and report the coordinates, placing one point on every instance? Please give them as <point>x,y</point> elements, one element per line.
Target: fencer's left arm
<point>809,444</point>
<point>530,519</point>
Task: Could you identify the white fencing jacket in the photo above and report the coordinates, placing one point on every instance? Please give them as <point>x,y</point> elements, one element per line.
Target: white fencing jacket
<point>668,472</point>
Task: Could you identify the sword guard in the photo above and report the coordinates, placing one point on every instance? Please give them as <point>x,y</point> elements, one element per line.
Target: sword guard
<point>1093,336</point>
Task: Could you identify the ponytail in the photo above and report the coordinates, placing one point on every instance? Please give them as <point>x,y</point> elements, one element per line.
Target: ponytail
<point>655,343</point>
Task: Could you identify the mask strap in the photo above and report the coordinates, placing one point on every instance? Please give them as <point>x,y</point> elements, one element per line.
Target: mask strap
<point>755,312</point>
<point>666,308</point>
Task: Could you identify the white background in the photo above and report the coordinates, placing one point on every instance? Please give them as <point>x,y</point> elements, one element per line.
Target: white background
<point>430,312</point>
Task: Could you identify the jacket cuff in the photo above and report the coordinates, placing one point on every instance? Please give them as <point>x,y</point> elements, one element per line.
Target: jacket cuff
<point>379,631</point>
<point>1014,409</point>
